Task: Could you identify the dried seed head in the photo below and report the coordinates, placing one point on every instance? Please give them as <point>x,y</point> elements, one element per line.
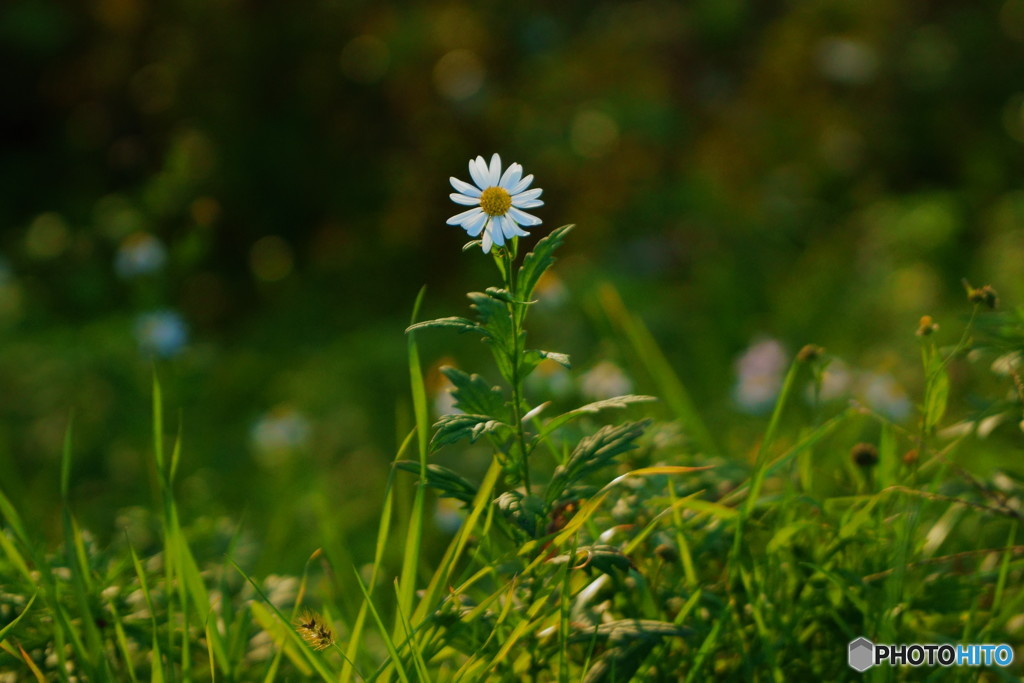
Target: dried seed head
<point>810,352</point>
<point>314,630</point>
<point>864,455</point>
<point>982,295</point>
<point>926,326</point>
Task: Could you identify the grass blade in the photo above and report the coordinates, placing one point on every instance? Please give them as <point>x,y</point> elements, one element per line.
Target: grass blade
<point>7,629</point>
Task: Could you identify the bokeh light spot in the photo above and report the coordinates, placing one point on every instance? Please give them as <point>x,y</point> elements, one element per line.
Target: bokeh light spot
<point>271,259</point>
<point>47,236</point>
<point>593,133</point>
<point>1013,117</point>
<point>1011,18</point>
<point>205,211</point>
<point>459,74</point>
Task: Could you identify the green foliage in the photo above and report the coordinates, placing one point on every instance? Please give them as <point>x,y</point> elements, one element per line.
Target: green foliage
<point>540,259</point>
<point>447,482</point>
<point>643,550</point>
<point>473,394</point>
<point>452,428</point>
<point>594,453</point>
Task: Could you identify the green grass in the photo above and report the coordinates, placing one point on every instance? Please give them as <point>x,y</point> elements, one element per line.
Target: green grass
<point>655,552</point>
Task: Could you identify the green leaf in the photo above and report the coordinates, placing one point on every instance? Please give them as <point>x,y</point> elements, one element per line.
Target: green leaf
<point>533,357</point>
<point>453,322</point>
<point>494,316</point>
<point>936,391</point>
<point>9,627</point>
<point>595,407</point>
<point>619,663</point>
<point>504,295</point>
<point>414,531</point>
<point>523,511</point>
<point>539,260</point>
<point>449,483</point>
<point>605,558</point>
<point>625,630</point>
<point>452,428</point>
<point>594,452</point>
<point>474,395</point>
<point>65,462</point>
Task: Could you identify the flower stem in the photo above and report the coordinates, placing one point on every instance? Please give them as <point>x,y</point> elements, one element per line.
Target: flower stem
<point>517,312</point>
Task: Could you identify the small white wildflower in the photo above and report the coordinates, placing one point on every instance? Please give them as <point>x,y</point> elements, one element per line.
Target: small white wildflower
<point>140,254</point>
<point>759,372</point>
<point>448,515</point>
<point>836,382</point>
<point>279,433</point>
<point>882,393</point>
<point>162,333</point>
<point>605,380</point>
<point>497,200</point>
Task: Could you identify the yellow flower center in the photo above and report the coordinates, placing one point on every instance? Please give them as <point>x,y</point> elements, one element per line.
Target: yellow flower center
<point>495,201</point>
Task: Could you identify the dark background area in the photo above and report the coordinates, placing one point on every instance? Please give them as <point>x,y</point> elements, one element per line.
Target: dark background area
<point>271,179</point>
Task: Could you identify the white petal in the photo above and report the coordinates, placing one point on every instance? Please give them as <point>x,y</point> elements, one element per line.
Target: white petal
<point>478,171</point>
<point>464,187</point>
<point>487,241</point>
<point>522,185</point>
<point>510,229</point>
<point>464,200</point>
<point>530,194</point>
<point>523,218</point>
<point>511,176</point>
<point>496,233</point>
<point>474,226</point>
<point>527,203</point>
<point>494,173</point>
<point>461,218</point>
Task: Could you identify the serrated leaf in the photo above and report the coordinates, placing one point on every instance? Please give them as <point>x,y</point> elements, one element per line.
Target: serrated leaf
<point>448,483</point>
<point>539,260</point>
<point>595,407</point>
<point>452,428</point>
<point>533,357</point>
<point>474,395</point>
<point>494,316</point>
<point>523,511</point>
<point>504,295</point>
<point>453,322</point>
<point>605,558</point>
<point>594,452</point>
<point>625,630</point>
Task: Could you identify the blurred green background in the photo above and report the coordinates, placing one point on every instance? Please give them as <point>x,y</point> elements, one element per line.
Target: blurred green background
<point>248,196</point>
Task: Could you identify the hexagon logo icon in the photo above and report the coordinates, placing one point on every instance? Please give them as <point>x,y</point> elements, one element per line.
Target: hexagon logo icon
<point>862,654</point>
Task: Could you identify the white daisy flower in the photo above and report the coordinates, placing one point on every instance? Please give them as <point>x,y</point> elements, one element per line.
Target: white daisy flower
<point>498,200</point>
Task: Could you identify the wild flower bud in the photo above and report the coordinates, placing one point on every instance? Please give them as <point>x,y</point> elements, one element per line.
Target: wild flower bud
<point>864,455</point>
<point>809,353</point>
<point>982,295</point>
<point>926,326</point>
